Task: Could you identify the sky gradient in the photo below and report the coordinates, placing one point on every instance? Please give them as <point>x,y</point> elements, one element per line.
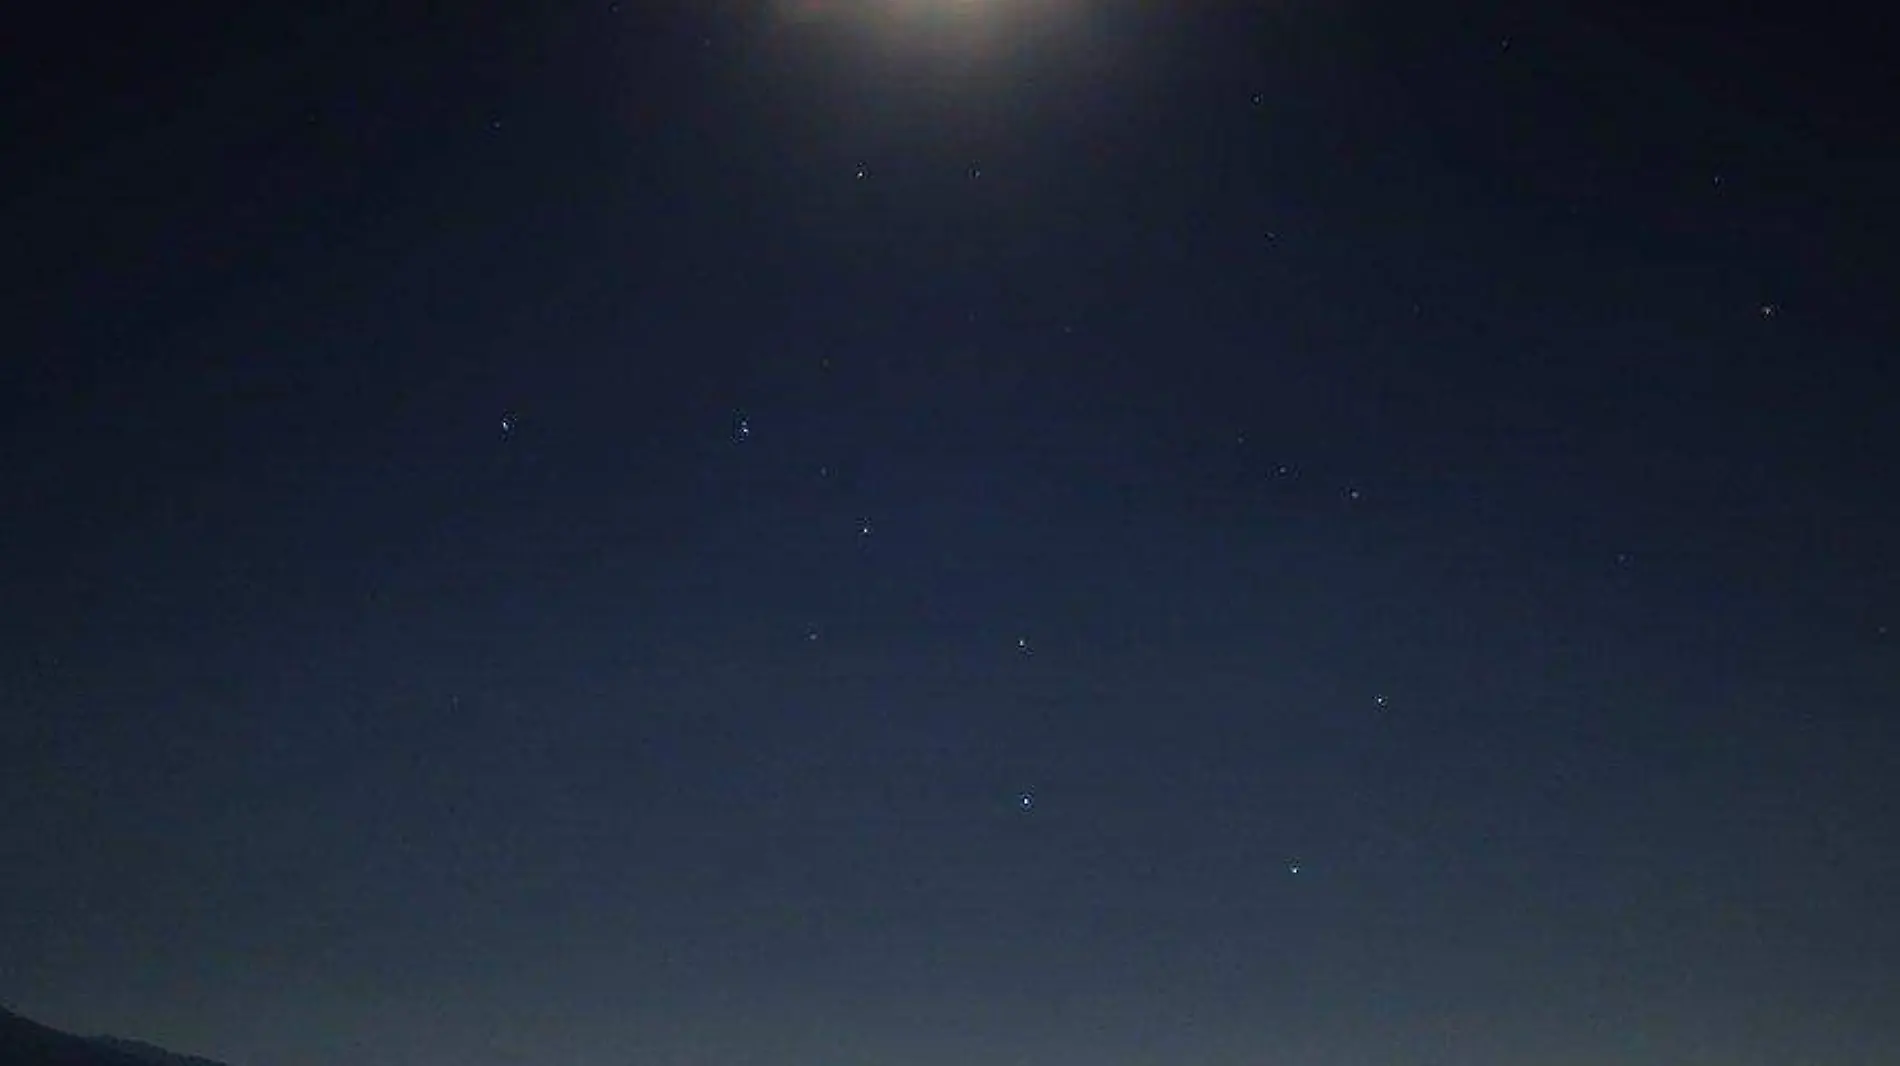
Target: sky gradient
<point>1021,533</point>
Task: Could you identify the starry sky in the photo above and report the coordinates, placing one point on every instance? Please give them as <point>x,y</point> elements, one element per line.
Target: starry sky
<point>821,531</point>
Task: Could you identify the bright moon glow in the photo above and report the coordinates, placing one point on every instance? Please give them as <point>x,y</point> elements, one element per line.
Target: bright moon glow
<point>925,17</point>
<point>941,53</point>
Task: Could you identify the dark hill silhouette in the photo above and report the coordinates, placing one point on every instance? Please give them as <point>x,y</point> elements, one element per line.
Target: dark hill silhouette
<point>28,1043</point>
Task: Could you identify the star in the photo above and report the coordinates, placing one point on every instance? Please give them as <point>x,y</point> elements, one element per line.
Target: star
<point>1022,645</point>
<point>1025,801</point>
<point>742,429</point>
<point>507,424</point>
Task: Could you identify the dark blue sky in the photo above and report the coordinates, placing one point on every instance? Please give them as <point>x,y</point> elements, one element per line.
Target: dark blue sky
<point>834,532</point>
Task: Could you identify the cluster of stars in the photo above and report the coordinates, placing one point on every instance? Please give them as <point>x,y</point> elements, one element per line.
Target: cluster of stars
<point>741,432</point>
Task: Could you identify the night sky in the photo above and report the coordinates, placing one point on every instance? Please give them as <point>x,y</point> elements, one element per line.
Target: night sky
<point>1021,532</point>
